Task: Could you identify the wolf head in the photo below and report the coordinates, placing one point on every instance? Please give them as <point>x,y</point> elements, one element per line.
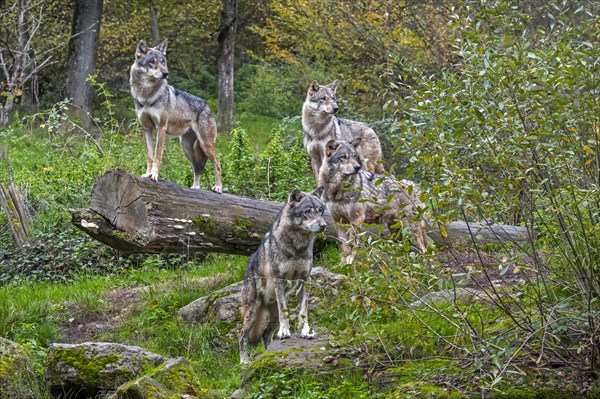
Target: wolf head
<point>152,60</point>
<point>322,98</point>
<point>342,157</point>
<point>306,211</point>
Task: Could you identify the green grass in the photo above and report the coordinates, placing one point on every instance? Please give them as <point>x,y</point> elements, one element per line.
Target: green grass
<point>63,274</point>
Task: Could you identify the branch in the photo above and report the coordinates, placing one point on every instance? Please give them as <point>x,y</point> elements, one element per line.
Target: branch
<point>4,68</point>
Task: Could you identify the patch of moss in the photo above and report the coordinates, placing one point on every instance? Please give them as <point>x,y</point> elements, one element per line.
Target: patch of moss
<point>119,234</point>
<point>144,388</point>
<point>89,369</point>
<point>242,227</point>
<point>206,225</point>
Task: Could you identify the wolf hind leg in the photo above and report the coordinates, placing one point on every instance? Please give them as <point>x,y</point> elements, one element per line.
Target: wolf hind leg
<point>253,318</point>
<point>207,145</point>
<point>193,152</point>
<point>273,323</point>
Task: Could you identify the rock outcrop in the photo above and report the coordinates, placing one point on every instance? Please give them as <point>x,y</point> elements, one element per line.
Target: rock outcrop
<point>223,306</point>
<point>84,370</point>
<point>17,376</point>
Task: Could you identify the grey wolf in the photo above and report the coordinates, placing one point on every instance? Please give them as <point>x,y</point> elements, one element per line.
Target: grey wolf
<point>355,196</point>
<point>320,125</point>
<point>284,256</point>
<point>162,108</point>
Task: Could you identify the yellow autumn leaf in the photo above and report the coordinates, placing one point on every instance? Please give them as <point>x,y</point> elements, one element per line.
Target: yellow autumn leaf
<point>586,148</point>
<point>443,231</point>
<point>384,270</point>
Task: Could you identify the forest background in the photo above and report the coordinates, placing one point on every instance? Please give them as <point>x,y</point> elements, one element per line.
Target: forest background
<point>492,106</point>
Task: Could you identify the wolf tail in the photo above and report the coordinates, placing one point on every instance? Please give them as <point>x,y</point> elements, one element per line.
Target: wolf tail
<point>259,326</point>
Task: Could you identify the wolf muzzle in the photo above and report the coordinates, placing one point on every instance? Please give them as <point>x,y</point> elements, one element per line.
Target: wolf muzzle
<point>317,228</point>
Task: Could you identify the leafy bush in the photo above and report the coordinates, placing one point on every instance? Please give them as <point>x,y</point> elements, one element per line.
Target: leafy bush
<point>510,134</point>
<point>273,173</point>
<point>273,90</point>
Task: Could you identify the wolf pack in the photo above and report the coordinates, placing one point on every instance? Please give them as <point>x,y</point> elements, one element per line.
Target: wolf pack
<point>346,160</point>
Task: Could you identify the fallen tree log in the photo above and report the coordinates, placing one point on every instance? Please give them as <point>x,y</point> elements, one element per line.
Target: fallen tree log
<point>136,215</point>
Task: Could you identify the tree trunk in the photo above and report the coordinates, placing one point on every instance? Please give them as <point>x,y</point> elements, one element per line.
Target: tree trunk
<point>19,64</point>
<point>15,79</point>
<point>154,25</point>
<point>87,15</point>
<point>132,214</point>
<point>227,31</point>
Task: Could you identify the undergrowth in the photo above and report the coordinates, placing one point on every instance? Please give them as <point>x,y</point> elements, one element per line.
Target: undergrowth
<point>511,139</point>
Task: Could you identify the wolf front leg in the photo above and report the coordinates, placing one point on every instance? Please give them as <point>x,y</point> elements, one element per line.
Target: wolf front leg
<point>158,151</point>
<point>284,322</point>
<point>149,142</point>
<point>303,313</point>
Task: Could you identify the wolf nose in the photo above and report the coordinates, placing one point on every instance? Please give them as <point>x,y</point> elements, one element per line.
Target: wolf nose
<point>165,74</point>
<point>335,109</point>
<point>357,168</point>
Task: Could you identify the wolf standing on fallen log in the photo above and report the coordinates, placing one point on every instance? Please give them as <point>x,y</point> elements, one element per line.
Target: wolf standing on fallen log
<point>161,107</point>
<point>285,255</point>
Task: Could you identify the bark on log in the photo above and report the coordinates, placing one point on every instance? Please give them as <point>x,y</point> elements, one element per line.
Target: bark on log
<point>132,215</point>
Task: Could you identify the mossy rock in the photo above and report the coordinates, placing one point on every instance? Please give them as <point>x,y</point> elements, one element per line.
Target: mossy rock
<point>17,376</point>
<point>177,375</point>
<point>175,378</point>
<point>144,388</point>
<point>313,356</point>
<point>84,370</point>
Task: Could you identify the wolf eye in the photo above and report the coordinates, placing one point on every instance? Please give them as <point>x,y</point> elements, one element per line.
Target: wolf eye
<point>324,98</point>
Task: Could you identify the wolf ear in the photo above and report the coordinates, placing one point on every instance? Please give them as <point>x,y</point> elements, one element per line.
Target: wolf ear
<point>295,196</point>
<point>356,142</point>
<point>333,85</point>
<point>141,49</point>
<point>332,145</point>
<point>317,192</point>
<point>162,47</point>
<point>314,86</point>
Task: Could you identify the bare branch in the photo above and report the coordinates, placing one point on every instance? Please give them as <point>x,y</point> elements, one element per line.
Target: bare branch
<point>37,68</point>
<point>4,68</point>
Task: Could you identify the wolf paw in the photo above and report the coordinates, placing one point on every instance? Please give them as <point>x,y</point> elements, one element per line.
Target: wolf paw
<point>151,176</point>
<point>306,334</point>
<point>348,259</point>
<point>284,332</point>
<point>244,359</point>
<point>217,189</point>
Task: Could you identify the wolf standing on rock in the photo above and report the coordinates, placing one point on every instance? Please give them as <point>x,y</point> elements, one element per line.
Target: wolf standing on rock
<point>320,125</point>
<point>161,107</point>
<point>285,255</point>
